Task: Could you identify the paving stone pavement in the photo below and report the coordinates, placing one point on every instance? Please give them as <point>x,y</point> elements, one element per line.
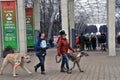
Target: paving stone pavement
<point>97,66</point>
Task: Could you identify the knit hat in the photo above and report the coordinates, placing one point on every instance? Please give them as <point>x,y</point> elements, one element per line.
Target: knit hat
<point>62,33</point>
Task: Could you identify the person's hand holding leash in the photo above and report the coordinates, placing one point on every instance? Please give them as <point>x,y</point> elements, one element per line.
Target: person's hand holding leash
<point>58,58</point>
<point>58,54</point>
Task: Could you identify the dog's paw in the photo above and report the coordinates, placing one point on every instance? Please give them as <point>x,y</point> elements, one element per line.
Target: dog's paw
<point>1,73</point>
<point>14,75</point>
<point>30,72</point>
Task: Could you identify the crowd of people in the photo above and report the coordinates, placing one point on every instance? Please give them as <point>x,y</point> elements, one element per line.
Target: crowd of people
<point>91,41</point>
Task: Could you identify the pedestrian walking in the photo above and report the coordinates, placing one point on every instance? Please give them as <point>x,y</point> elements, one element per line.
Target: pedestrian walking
<point>62,49</point>
<point>40,50</point>
<point>93,42</point>
<point>82,42</point>
<point>103,41</point>
<point>89,43</point>
<point>77,43</point>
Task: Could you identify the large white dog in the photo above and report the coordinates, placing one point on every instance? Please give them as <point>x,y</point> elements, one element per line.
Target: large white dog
<point>16,59</point>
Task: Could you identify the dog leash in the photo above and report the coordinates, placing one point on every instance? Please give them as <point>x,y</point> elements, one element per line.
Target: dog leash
<point>58,60</point>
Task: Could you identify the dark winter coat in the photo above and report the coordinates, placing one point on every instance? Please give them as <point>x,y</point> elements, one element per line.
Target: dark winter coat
<point>38,48</point>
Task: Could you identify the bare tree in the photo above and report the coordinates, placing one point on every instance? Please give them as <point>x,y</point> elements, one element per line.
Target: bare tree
<point>55,11</point>
<point>50,17</point>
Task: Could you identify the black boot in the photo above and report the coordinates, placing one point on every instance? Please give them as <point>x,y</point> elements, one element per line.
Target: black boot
<point>35,68</point>
<point>63,70</point>
<point>43,72</point>
<point>69,72</point>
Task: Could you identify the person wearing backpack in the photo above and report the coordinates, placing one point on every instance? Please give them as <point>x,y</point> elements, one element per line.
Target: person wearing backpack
<point>62,49</point>
<point>40,50</point>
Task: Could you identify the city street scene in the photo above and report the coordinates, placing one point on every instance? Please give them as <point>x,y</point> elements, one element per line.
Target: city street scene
<point>59,40</point>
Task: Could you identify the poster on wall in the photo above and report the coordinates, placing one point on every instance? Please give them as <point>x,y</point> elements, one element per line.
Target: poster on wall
<point>9,29</point>
<point>29,27</point>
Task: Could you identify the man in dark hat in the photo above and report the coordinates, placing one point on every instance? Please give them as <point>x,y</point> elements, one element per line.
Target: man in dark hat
<point>62,49</point>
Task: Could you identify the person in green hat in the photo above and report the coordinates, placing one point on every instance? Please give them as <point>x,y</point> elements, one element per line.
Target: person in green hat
<point>62,49</point>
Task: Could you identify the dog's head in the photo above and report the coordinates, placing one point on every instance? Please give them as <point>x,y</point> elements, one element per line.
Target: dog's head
<point>84,53</point>
<point>26,59</point>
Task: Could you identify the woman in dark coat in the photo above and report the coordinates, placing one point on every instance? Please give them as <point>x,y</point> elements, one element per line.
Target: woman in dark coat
<point>93,42</point>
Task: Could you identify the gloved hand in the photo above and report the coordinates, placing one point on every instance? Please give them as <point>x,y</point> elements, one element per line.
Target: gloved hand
<point>44,54</point>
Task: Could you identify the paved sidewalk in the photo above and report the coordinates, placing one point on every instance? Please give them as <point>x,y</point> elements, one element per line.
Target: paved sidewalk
<point>98,66</point>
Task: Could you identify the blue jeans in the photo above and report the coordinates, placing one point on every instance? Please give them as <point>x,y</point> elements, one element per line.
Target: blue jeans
<point>41,63</point>
<point>89,46</point>
<point>65,60</point>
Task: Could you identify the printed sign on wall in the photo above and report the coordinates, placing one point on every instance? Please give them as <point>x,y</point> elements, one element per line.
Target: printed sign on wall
<point>29,27</point>
<point>9,24</point>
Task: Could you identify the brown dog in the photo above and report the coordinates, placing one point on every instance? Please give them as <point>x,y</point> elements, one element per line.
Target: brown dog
<point>16,59</point>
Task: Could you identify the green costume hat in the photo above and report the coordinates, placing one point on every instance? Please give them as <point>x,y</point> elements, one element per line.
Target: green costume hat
<point>62,33</point>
